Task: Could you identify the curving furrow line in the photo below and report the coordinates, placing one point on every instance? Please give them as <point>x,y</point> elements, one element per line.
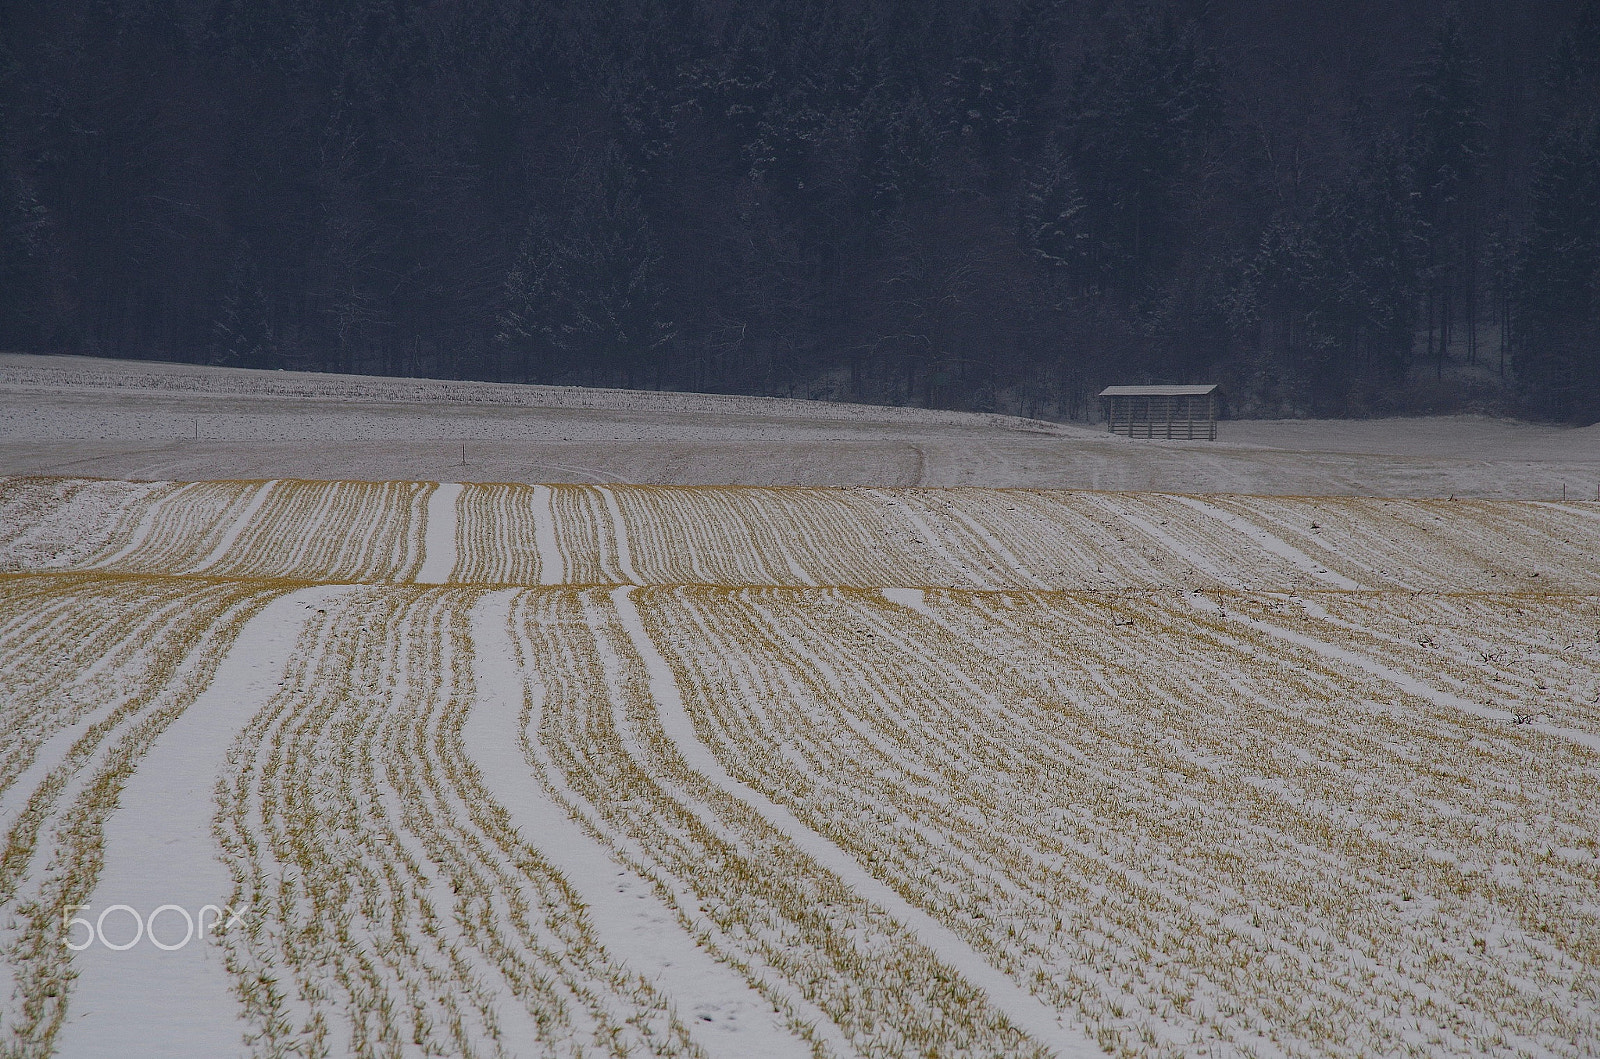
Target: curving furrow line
<point>332,532</point>
<point>1436,545</point>
<point>397,911</point>
<point>1342,737</point>
<point>1119,781</point>
<point>79,647</point>
<point>1078,540</point>
<point>1518,655</point>
<point>72,523</point>
<point>848,976</point>
<point>498,535</point>
<point>161,642</point>
<point>184,528</point>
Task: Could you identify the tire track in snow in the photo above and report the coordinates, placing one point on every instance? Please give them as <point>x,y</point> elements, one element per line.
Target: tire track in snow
<point>142,530</point>
<point>1276,545</point>
<point>620,533</point>
<point>1025,1011</point>
<point>919,524</point>
<point>237,528</point>
<point>159,850</point>
<point>729,1018</point>
<point>552,564</point>
<point>1372,666</point>
<point>439,539</point>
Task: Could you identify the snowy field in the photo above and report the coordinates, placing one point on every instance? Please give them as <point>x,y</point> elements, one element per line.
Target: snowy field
<point>119,419</point>
<point>448,769</point>
<point>418,767</point>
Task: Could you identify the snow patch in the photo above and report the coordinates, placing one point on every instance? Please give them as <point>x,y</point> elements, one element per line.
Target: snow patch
<point>439,544</point>
<point>159,850</point>
<point>1277,546</point>
<point>237,528</point>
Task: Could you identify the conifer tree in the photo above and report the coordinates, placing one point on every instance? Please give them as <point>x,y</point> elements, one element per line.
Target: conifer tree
<point>1557,352</point>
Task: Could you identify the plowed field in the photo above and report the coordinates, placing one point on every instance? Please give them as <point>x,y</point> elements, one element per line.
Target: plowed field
<point>508,770</point>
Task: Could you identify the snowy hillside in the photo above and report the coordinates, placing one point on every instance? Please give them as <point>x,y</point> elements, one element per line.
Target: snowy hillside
<point>137,420</point>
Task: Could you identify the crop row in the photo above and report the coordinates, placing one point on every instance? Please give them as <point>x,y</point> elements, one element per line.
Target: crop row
<point>960,538</point>
<point>846,975</point>
<point>498,537</point>
<point>394,909</point>
<point>331,531</point>
<point>1196,839</point>
<point>1438,545</point>
<point>64,523</point>
<point>95,669</point>
<point>992,539</point>
<point>1533,656</point>
<point>309,531</point>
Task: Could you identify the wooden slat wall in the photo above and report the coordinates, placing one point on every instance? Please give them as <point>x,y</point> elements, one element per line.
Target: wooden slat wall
<point>1186,417</point>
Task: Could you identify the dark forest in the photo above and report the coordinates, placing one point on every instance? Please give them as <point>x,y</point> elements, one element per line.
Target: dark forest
<point>1331,207</point>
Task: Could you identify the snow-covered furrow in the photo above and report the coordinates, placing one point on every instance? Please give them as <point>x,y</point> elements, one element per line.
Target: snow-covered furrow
<point>842,969</point>
<point>943,541</point>
<point>963,538</point>
<point>1020,1008</point>
<point>1436,545</point>
<point>682,547</point>
<point>147,523</point>
<point>652,535</point>
<point>739,537</point>
<point>76,648</point>
<point>730,1019</point>
<point>167,994</point>
<point>1408,658</point>
<point>1065,540</point>
<point>1173,540</point>
<point>1295,523</point>
<point>441,534</point>
<point>1433,817</point>
<point>505,536</point>
<point>978,538</point>
<point>737,796</point>
<point>71,523</point>
<point>877,745</point>
<point>235,527</point>
<point>824,536</point>
<point>553,561</point>
<point>1276,546</point>
<point>584,530</point>
<point>1230,549</point>
<point>400,912</point>
<point>1128,779</point>
<point>1535,657</point>
<point>161,653</point>
<point>621,553</point>
<point>129,522</point>
<point>332,531</point>
<point>1000,559</point>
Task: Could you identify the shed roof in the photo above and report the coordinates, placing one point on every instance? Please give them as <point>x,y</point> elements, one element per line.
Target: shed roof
<point>1158,391</point>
